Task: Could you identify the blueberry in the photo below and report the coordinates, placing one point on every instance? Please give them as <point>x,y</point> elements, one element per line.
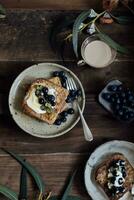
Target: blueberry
<point>116,107</point>
<point>58,122</point>
<point>120,88</point>
<point>122,94</point>
<point>64,114</point>
<point>63,119</point>
<point>112,99</point>
<point>45,90</point>
<point>53,103</point>
<point>120,181</point>
<point>41,93</point>
<point>51,98</point>
<point>64,84</point>
<point>124,174</point>
<point>42,107</point>
<point>130,97</point>
<point>131,114</point>
<point>61,74</point>
<point>123,169</point>
<point>73,93</point>
<point>106,96</point>
<point>41,100</point>
<point>70,111</point>
<point>117,100</point>
<point>128,92</point>
<point>125,117</point>
<point>114,173</point>
<point>56,73</point>
<point>131,104</point>
<point>37,92</point>
<point>122,162</point>
<point>69,99</point>
<point>113,190</point>
<point>114,163</point>
<point>112,179</point>
<point>123,101</point>
<point>64,78</point>
<point>112,88</point>
<point>79,92</point>
<point>121,189</point>
<point>120,112</point>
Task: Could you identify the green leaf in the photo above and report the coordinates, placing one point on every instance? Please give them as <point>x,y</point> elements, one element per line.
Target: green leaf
<point>8,193</point>
<point>23,184</point>
<point>83,16</point>
<point>68,198</point>
<point>112,43</point>
<point>66,193</point>
<point>30,169</point>
<point>123,19</point>
<point>2,11</point>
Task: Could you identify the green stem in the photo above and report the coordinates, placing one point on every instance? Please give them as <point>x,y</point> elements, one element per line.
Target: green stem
<point>86,25</point>
<point>127,7</point>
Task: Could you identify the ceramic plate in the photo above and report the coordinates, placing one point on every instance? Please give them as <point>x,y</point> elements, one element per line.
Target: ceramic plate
<point>97,157</point>
<point>18,90</point>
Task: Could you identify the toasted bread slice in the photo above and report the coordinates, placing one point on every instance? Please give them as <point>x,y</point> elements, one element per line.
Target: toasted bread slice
<point>101,175</point>
<point>56,81</point>
<point>61,95</point>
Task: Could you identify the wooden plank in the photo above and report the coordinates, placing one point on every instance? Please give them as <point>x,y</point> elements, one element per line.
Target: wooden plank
<point>24,36</point>
<point>102,124</point>
<point>55,169</point>
<point>52,5</point>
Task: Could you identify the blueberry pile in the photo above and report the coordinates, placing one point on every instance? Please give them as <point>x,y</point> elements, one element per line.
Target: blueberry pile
<point>121,101</point>
<point>116,167</point>
<point>63,116</point>
<point>62,76</point>
<point>45,100</point>
<point>73,94</point>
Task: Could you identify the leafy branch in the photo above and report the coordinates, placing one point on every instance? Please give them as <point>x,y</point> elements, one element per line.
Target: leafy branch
<point>27,167</point>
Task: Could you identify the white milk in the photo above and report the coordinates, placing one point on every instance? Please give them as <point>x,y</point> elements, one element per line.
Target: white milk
<point>97,54</point>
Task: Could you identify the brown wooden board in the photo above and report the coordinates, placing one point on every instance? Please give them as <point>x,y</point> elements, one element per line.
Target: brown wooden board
<point>23,42</point>
<point>53,5</point>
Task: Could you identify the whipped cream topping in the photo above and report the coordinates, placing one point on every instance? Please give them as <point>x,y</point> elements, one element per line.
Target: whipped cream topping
<point>33,101</point>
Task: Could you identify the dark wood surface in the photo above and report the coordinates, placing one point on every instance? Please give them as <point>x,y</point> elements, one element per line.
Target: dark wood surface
<point>23,42</point>
<point>52,5</point>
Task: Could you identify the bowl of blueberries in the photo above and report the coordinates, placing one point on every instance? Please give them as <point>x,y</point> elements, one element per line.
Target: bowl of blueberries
<point>118,100</point>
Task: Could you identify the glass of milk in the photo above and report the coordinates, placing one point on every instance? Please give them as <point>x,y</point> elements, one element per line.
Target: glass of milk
<point>96,53</point>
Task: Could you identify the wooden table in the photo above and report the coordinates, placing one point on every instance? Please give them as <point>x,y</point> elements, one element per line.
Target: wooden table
<point>23,42</point>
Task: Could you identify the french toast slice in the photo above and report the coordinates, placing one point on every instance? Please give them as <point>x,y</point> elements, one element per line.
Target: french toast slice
<point>101,175</point>
<point>61,95</point>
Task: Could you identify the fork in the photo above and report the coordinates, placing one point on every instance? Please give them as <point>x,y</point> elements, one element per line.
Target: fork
<point>71,85</point>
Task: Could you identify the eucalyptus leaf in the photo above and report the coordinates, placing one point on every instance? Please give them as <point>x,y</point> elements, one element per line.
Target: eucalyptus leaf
<point>68,198</point>
<point>112,43</point>
<point>8,193</point>
<point>30,169</point>
<point>83,16</point>
<point>69,187</point>
<point>23,184</point>
<point>2,10</point>
<point>123,19</point>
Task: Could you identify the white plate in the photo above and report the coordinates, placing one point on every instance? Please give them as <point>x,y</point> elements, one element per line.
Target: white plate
<point>97,157</point>
<point>17,92</point>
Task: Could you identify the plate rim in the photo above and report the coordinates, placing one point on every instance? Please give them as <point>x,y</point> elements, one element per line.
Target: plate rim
<point>18,78</point>
<point>95,150</point>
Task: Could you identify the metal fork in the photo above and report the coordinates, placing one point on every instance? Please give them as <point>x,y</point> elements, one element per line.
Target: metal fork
<point>71,85</point>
